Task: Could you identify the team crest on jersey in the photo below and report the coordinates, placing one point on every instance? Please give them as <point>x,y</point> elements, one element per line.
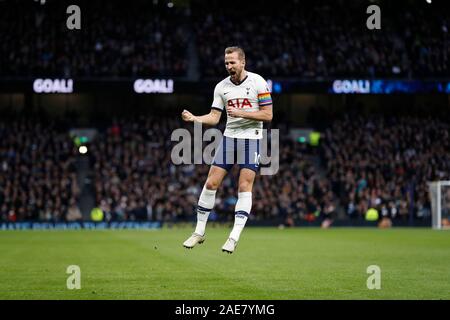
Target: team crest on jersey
<point>239,103</point>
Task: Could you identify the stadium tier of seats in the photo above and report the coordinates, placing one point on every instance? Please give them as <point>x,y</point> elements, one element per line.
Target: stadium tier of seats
<point>385,162</point>
<point>38,178</point>
<point>317,39</point>
<point>115,40</point>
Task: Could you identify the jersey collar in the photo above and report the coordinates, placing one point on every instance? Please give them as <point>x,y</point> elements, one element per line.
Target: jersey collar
<point>239,83</point>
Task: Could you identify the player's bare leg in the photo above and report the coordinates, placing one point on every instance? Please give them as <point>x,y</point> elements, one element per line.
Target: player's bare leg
<point>243,208</point>
<point>205,205</point>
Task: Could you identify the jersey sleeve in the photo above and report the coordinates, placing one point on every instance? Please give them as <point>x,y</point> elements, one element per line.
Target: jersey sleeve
<point>218,101</point>
<point>264,97</point>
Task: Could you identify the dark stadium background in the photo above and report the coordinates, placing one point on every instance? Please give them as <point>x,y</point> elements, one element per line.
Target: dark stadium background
<point>379,98</point>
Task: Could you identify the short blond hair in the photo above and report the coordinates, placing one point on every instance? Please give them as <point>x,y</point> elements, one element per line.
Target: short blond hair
<point>239,50</point>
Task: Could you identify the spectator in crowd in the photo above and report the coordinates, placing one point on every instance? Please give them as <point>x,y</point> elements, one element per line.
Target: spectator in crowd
<point>74,213</point>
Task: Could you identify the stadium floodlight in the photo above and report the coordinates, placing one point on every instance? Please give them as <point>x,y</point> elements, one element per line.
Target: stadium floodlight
<point>83,149</point>
<point>440,204</point>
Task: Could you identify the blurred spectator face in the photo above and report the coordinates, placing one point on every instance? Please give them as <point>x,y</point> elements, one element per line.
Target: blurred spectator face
<point>234,65</point>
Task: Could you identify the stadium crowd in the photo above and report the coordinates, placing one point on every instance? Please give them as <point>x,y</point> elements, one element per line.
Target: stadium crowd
<point>369,162</point>
<point>381,162</point>
<point>385,162</point>
<point>116,39</point>
<point>37,173</point>
<point>149,38</point>
<point>300,43</point>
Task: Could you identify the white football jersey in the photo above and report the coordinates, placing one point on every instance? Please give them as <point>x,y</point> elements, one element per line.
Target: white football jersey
<point>248,95</point>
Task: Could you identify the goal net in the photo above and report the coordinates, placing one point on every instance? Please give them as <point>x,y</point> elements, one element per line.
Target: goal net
<point>440,204</point>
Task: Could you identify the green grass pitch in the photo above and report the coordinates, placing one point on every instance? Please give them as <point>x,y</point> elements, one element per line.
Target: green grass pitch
<point>269,263</point>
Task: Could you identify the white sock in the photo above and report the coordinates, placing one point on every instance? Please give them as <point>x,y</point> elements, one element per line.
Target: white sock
<point>205,205</point>
<point>242,210</point>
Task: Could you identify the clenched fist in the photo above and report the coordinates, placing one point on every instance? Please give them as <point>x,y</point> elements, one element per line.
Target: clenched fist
<point>234,112</point>
<point>187,116</point>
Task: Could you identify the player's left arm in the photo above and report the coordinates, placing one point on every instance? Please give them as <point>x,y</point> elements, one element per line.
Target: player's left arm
<point>263,114</point>
<point>264,101</point>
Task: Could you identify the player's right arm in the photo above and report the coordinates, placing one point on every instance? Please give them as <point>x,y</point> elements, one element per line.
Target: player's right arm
<point>213,117</point>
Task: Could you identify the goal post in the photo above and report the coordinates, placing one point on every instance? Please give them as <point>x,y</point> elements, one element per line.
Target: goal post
<point>440,204</point>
